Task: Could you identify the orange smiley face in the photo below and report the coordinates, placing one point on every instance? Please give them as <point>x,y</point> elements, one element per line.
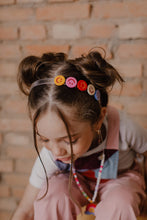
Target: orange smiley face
<point>59,80</point>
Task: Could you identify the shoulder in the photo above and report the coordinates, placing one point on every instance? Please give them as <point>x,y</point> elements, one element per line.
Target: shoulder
<point>128,124</point>
<point>126,121</point>
<point>131,133</point>
<point>38,175</point>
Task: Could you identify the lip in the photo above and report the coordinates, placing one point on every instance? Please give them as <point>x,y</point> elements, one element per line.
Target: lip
<point>65,159</point>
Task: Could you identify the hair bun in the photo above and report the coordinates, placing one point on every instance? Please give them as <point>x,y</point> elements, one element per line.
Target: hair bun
<point>54,57</point>
<point>26,72</point>
<point>101,73</point>
<point>33,68</point>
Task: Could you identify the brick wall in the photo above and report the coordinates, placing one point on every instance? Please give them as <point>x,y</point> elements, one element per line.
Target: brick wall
<point>72,26</point>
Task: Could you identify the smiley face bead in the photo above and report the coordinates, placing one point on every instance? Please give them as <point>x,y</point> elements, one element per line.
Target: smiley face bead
<point>59,80</point>
<point>71,82</point>
<point>91,89</point>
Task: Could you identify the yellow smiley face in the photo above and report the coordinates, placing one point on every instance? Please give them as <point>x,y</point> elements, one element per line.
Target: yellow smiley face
<point>59,80</point>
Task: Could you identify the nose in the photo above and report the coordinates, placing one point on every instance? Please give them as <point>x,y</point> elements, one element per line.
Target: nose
<point>58,150</point>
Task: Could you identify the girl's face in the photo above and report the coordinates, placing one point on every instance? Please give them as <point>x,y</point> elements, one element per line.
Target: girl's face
<point>52,132</point>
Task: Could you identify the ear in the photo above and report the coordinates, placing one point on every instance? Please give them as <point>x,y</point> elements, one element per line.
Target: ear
<point>101,118</point>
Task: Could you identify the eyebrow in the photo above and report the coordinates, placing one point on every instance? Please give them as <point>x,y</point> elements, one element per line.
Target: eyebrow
<point>59,138</point>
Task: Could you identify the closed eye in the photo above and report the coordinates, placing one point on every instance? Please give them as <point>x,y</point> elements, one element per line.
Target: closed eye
<point>73,142</point>
<point>43,140</point>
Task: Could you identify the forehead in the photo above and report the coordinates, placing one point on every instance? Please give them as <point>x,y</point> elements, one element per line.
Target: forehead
<point>51,125</point>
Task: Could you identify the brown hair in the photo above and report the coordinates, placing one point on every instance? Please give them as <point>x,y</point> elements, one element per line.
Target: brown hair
<point>92,68</point>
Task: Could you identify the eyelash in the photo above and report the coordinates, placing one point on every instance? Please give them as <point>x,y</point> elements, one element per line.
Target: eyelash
<point>44,141</point>
<point>73,142</point>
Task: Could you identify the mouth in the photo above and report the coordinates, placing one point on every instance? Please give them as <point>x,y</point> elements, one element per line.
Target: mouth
<point>65,159</point>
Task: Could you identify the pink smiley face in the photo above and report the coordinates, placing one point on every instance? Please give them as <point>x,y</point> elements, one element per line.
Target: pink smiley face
<point>71,82</point>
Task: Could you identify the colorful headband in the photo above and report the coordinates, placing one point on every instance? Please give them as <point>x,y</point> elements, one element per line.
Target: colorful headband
<point>70,82</point>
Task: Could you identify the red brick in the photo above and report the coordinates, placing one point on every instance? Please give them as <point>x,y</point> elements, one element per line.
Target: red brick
<point>8,33</point>
<point>7,204</point>
<point>8,69</point>
<point>132,51</point>
<point>5,215</point>
<point>6,165</point>
<point>100,30</point>
<point>145,69</point>
<point>17,139</point>
<point>40,49</point>
<point>129,70</point>
<point>145,86</point>
<point>61,1</point>
<point>4,191</point>
<point>21,152</point>
<point>15,14</point>
<point>66,31</point>
<point>8,51</point>
<point>120,9</point>
<point>1,139</point>
<point>13,124</point>
<point>137,108</point>
<point>17,192</point>
<point>7,2</point>
<point>129,89</point>
<point>29,1</point>
<point>132,31</point>
<point>14,106</point>
<point>24,166</point>
<point>63,12</point>
<point>32,32</point>
<point>78,50</point>
<point>141,7</point>
<point>16,179</point>
<point>8,88</point>
<point>132,89</point>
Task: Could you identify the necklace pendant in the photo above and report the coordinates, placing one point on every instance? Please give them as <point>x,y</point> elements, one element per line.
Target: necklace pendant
<point>90,209</point>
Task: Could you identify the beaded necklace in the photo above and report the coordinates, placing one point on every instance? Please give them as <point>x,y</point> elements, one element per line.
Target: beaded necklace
<point>91,206</point>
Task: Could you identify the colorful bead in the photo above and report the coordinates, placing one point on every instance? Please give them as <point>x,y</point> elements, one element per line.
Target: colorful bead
<point>82,85</point>
<point>90,208</point>
<point>59,80</point>
<point>97,95</point>
<point>91,89</point>
<point>71,82</point>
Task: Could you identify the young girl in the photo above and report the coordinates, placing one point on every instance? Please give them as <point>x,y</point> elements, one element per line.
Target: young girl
<point>89,148</point>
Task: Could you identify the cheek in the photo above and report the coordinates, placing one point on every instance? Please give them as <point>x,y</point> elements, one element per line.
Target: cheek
<point>46,146</point>
<point>83,146</point>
